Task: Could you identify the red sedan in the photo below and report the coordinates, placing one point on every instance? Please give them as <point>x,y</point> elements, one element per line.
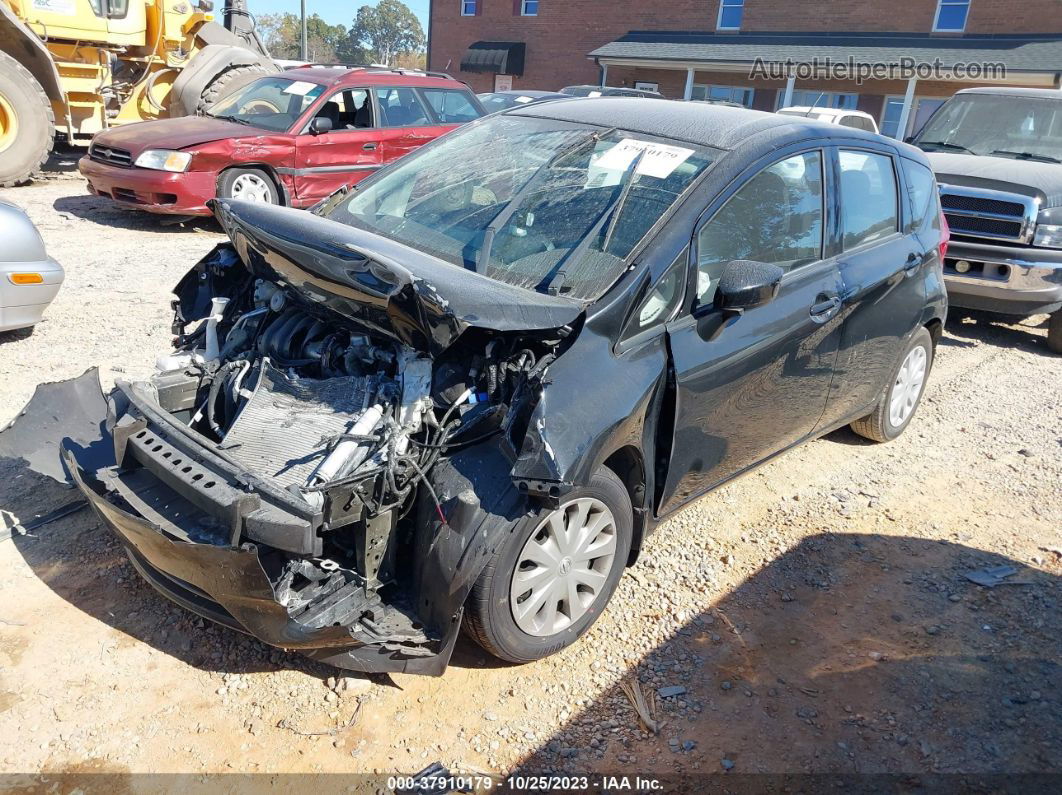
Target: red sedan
<point>290,138</point>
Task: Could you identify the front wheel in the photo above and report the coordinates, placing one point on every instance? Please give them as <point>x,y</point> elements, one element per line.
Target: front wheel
<point>901,396</point>
<point>554,575</point>
<point>248,184</point>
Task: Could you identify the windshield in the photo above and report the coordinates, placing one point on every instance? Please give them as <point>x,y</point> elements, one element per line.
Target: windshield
<point>1024,128</point>
<point>546,205</point>
<point>272,103</point>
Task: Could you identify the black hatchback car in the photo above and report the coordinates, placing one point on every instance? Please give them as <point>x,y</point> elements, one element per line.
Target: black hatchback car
<point>463,392</point>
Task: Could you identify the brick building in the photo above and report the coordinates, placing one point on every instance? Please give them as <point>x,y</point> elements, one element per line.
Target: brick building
<point>708,49</point>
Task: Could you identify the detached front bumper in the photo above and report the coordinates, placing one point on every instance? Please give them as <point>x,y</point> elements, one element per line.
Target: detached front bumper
<point>147,189</point>
<point>1004,279</point>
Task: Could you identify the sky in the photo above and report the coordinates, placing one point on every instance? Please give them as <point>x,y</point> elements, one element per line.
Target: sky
<point>334,12</point>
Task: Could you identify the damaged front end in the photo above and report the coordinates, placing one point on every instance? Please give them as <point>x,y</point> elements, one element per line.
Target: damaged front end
<point>276,472</point>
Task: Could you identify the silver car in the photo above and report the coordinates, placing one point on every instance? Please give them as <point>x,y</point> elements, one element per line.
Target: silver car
<point>29,278</point>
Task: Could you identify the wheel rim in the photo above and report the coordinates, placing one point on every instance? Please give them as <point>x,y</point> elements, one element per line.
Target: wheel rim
<point>8,124</point>
<point>563,568</point>
<point>252,188</point>
<point>908,386</point>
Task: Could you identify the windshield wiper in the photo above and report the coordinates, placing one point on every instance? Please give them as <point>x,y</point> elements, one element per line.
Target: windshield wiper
<point>235,119</point>
<point>1026,155</point>
<point>502,218</point>
<point>946,145</point>
<point>613,211</point>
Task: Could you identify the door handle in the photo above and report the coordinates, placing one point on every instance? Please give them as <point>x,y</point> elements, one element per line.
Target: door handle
<point>370,147</point>
<point>914,262</point>
<point>824,310</point>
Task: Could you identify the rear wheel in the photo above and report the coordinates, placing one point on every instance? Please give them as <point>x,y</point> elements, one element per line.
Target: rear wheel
<point>554,575</point>
<point>27,123</point>
<point>1054,332</point>
<point>248,184</point>
<point>228,81</point>
<point>900,398</point>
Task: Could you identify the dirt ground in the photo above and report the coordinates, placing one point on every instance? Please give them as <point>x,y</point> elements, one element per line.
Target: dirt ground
<point>816,612</point>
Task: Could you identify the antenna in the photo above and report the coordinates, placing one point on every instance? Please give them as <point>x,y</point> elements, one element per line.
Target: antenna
<point>815,103</point>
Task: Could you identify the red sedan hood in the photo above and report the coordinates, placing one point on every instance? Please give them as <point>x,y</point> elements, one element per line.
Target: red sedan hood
<point>173,133</point>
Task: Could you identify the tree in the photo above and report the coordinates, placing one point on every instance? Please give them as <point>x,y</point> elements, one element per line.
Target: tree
<point>282,36</point>
<point>386,31</point>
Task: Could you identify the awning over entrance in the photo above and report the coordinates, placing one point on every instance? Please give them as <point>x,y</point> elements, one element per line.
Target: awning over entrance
<point>497,57</point>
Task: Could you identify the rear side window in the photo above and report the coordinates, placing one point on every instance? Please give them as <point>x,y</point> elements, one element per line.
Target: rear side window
<point>868,197</point>
<point>400,107</point>
<point>925,198</point>
<point>451,105</point>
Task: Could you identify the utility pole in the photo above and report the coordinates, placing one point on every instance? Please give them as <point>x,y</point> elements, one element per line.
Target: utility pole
<point>305,50</point>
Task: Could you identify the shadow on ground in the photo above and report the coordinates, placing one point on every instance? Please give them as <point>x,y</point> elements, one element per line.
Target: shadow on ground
<point>848,654</point>
<point>967,326</point>
<point>107,213</point>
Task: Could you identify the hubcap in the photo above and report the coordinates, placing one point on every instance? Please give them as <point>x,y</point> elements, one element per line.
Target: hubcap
<point>252,188</point>
<point>563,567</point>
<point>908,386</point>
<point>8,124</point>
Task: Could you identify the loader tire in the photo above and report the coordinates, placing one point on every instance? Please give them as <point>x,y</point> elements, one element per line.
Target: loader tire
<point>229,80</point>
<point>27,123</point>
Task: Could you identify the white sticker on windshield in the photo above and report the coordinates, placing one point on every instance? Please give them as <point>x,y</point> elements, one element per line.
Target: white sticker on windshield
<point>594,94</point>
<point>300,88</point>
<point>659,160</point>
<point>523,100</point>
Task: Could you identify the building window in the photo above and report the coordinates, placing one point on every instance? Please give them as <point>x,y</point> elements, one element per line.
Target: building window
<point>923,108</point>
<point>469,8</point>
<point>730,14</point>
<point>951,16</point>
<point>735,94</point>
<point>529,8</point>
<point>821,99</point>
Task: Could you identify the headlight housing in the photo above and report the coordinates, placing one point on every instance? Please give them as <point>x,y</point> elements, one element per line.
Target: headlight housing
<point>164,160</point>
<point>1048,236</point>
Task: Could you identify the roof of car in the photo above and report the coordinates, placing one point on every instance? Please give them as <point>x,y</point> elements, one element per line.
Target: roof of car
<point>697,122</point>
<point>339,74</point>
<point>1042,93</point>
<point>535,94</point>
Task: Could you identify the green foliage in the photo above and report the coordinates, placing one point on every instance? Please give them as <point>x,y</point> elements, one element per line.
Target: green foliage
<point>282,36</point>
<point>385,32</point>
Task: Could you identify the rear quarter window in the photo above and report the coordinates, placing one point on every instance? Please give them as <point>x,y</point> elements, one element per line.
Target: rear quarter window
<point>451,105</point>
<point>924,194</point>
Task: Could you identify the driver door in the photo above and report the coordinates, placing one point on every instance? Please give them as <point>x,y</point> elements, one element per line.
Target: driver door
<point>749,387</point>
<point>347,153</point>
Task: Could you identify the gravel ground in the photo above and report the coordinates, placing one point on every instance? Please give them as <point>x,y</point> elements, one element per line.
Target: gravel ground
<point>814,615</point>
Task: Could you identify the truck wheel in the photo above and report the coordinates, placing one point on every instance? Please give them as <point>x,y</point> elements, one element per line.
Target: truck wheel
<point>27,123</point>
<point>248,184</point>
<point>229,80</point>
<point>901,395</point>
<point>553,576</point>
<point>1054,331</point>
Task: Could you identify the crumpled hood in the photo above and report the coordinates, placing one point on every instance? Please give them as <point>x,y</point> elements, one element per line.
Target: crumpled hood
<point>400,292</point>
<point>173,133</point>
<point>1025,177</point>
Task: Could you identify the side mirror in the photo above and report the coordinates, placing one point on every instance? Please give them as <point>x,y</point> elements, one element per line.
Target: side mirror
<point>909,139</point>
<point>746,284</point>
<point>320,124</point>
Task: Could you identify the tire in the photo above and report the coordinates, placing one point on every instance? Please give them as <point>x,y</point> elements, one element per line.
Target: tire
<point>250,184</point>
<point>1054,331</point>
<point>884,424</point>
<point>489,612</point>
<point>229,80</point>
<point>27,123</point>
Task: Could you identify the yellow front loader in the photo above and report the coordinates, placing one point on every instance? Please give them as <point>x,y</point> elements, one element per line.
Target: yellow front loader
<point>80,66</point>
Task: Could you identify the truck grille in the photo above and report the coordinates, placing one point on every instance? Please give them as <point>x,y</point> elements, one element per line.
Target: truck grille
<point>989,214</point>
<point>108,154</point>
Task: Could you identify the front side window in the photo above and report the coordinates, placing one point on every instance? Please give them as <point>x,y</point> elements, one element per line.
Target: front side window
<point>529,8</point>
<point>349,109</point>
<point>868,197</point>
<point>400,107</point>
<point>469,8</point>
<point>775,217</point>
<point>951,16</point>
<point>551,206</point>
<point>730,12</point>
<point>271,103</point>
<point>451,105</point>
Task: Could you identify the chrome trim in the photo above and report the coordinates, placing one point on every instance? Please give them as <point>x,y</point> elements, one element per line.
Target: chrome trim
<point>1027,219</point>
